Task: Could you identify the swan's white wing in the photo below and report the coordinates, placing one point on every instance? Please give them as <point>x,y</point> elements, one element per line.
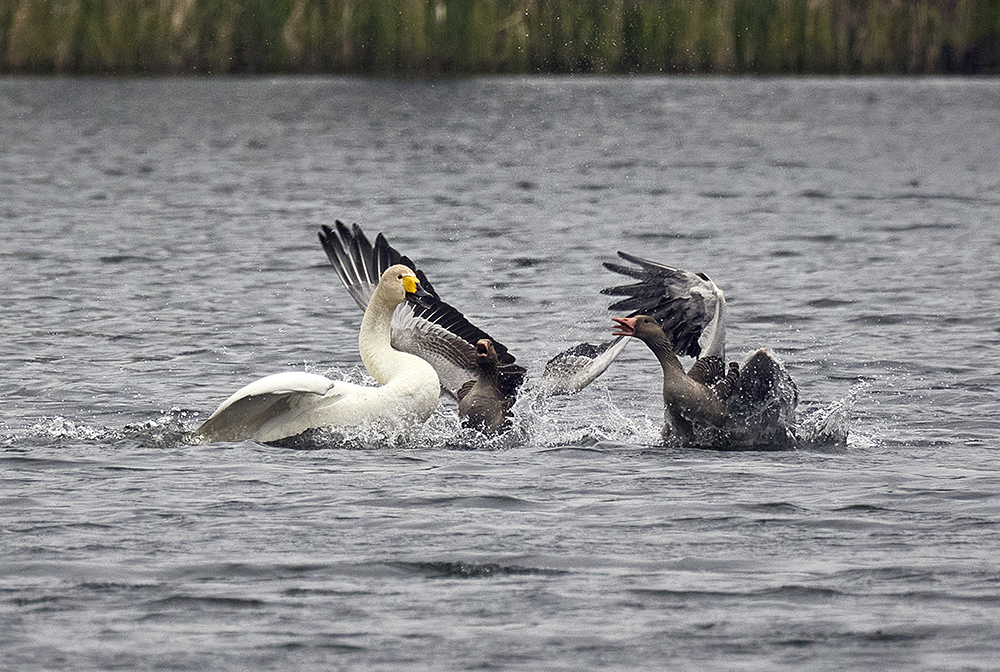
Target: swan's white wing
<point>435,332</point>
<point>689,306</point>
<point>287,404</point>
<point>573,369</point>
<point>251,408</point>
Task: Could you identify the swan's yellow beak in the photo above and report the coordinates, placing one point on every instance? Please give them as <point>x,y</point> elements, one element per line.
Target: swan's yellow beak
<point>415,293</point>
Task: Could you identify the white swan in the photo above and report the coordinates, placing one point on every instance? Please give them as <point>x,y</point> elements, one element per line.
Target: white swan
<point>286,404</point>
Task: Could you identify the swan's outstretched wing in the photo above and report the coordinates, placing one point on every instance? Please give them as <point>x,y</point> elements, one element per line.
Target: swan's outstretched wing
<point>573,369</point>
<point>435,332</point>
<point>246,413</point>
<point>689,306</point>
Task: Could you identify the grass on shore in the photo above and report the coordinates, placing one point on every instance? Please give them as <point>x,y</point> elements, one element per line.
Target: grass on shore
<point>429,37</point>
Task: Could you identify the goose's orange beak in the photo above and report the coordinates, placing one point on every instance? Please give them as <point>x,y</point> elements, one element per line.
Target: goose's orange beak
<point>626,326</point>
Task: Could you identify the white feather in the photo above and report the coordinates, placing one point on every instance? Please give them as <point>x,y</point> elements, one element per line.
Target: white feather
<point>286,404</point>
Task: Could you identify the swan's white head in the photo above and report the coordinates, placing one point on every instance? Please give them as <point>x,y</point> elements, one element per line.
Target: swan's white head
<point>399,283</point>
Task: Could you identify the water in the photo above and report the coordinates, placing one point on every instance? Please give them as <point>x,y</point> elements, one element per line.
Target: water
<point>160,251</point>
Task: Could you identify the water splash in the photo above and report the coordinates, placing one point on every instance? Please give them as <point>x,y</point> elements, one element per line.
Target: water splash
<point>556,421</point>
<point>168,430</point>
<point>538,420</point>
<point>829,426</point>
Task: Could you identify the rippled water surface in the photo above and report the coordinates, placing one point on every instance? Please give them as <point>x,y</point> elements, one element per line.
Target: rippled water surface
<point>159,252</point>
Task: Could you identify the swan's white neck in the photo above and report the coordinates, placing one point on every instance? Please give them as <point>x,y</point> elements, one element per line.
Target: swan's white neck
<point>374,338</point>
<point>384,363</point>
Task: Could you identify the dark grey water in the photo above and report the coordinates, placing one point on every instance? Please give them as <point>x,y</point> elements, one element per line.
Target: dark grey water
<point>159,251</point>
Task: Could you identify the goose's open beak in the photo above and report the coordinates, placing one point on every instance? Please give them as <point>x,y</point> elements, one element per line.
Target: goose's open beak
<point>626,326</point>
<point>483,348</point>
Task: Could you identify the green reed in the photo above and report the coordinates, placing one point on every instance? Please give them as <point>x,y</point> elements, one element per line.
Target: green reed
<point>429,37</point>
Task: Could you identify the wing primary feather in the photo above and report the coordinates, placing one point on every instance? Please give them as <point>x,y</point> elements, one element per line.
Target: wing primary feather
<point>689,306</point>
<point>359,265</point>
<point>363,255</point>
<point>385,255</point>
<point>345,242</point>
<point>335,244</point>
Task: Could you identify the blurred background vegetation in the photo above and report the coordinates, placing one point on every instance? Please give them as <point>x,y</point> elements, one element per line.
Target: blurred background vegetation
<point>434,37</point>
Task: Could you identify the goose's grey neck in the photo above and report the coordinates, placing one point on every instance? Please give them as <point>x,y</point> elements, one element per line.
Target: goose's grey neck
<point>660,346</point>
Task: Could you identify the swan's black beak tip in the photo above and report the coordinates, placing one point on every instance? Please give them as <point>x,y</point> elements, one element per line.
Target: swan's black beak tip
<point>420,297</point>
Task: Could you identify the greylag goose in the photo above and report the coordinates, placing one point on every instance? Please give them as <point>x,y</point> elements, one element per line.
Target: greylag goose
<point>679,313</point>
<point>440,334</point>
<point>694,402</point>
<point>484,403</point>
<point>285,405</point>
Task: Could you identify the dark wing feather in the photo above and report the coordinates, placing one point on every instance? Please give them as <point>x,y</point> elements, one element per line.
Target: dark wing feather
<point>358,263</point>
<point>689,306</point>
<point>510,379</point>
<point>437,332</point>
<point>708,370</point>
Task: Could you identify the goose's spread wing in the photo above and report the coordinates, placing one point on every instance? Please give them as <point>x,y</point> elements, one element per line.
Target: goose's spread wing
<point>689,306</point>
<point>440,343</point>
<point>762,404</point>
<point>437,332</point>
<point>575,368</point>
<point>358,263</point>
<point>510,380</point>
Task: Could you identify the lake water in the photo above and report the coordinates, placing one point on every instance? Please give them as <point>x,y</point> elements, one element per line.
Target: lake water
<point>159,251</point>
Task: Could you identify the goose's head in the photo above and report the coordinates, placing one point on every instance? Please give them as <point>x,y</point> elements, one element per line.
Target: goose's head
<point>642,327</point>
<point>401,284</point>
<point>506,377</point>
<point>485,352</point>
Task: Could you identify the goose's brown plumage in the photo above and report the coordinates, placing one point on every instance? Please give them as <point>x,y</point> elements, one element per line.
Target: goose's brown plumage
<point>485,403</point>
<point>693,401</point>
